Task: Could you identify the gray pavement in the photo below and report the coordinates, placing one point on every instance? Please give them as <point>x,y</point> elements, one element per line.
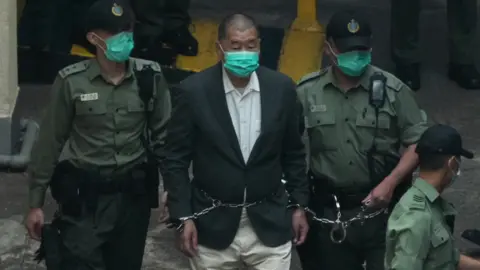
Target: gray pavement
<point>443,101</point>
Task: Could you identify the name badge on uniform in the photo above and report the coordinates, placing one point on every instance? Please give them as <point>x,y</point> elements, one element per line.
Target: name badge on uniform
<point>89,97</point>
<point>318,108</point>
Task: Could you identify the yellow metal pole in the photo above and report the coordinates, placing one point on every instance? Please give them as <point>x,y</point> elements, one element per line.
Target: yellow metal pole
<point>303,43</point>
<point>306,16</point>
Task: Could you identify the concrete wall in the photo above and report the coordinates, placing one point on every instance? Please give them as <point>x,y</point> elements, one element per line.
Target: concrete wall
<point>8,70</point>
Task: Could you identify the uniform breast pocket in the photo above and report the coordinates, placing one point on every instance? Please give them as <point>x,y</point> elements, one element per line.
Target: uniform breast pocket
<point>321,131</point>
<point>136,106</point>
<point>367,123</point>
<point>442,244</point>
<point>135,114</point>
<point>90,113</point>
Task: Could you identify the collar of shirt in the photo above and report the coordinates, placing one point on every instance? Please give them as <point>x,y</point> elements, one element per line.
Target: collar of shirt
<point>432,195</point>
<point>364,80</point>
<point>253,84</point>
<point>93,69</point>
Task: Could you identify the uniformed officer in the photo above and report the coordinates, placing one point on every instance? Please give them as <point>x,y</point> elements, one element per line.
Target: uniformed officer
<point>462,22</point>
<point>418,235</point>
<point>347,134</point>
<point>97,106</point>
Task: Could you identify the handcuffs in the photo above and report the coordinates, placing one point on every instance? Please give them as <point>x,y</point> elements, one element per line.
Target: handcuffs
<point>338,233</point>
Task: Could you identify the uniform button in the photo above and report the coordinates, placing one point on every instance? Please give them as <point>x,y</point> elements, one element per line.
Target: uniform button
<point>351,162</point>
<point>346,119</point>
<point>348,141</point>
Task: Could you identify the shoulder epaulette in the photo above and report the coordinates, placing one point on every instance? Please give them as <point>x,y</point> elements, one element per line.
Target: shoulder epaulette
<point>74,68</point>
<point>417,202</point>
<point>140,63</point>
<point>312,76</point>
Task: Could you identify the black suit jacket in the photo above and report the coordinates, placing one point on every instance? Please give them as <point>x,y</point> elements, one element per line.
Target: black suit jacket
<point>201,130</point>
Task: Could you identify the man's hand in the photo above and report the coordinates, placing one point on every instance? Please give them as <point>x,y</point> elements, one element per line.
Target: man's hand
<point>300,226</point>
<point>34,223</point>
<point>188,241</point>
<point>164,214</point>
<point>382,194</point>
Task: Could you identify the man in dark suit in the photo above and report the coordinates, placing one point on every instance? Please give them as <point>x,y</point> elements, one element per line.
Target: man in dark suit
<point>238,123</point>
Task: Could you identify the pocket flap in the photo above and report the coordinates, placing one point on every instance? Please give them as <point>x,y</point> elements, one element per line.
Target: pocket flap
<point>90,108</point>
<point>370,121</point>
<point>136,106</point>
<point>320,119</point>
<point>440,235</point>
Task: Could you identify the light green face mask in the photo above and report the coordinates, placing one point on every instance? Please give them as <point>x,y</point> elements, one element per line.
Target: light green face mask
<point>241,63</point>
<point>354,63</point>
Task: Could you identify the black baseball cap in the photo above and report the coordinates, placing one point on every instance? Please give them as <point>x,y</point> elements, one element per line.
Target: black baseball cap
<point>113,16</point>
<point>442,140</point>
<point>350,31</point>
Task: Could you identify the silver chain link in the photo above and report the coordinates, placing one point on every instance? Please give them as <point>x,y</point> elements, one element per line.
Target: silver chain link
<point>339,226</point>
<point>216,204</point>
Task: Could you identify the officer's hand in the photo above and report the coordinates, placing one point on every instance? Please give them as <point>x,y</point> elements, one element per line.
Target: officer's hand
<point>300,226</point>
<point>164,214</point>
<point>188,239</point>
<point>34,223</point>
<point>381,195</point>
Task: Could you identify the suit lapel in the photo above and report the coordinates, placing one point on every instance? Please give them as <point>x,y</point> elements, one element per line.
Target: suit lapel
<point>218,104</point>
<point>268,102</point>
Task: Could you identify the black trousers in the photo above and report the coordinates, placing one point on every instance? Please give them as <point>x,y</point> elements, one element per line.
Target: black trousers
<point>112,238</point>
<point>364,244</point>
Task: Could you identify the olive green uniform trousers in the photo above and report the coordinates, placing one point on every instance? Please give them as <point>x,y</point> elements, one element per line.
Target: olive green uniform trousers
<point>111,238</point>
<point>364,244</point>
<point>462,21</point>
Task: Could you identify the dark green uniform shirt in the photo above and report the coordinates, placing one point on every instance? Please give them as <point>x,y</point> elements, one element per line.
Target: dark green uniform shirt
<point>341,125</point>
<point>418,237</point>
<point>102,122</point>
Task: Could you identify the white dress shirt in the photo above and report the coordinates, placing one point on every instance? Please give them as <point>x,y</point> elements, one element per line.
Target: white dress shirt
<point>245,111</point>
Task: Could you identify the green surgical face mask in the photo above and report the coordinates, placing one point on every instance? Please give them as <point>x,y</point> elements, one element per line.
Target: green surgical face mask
<point>353,63</point>
<point>119,47</point>
<point>241,63</point>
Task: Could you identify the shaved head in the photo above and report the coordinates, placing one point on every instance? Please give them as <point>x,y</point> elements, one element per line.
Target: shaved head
<point>238,21</point>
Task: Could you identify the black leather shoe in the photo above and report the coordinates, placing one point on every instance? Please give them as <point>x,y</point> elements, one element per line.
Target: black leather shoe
<point>466,76</point>
<point>409,75</point>
<point>182,41</point>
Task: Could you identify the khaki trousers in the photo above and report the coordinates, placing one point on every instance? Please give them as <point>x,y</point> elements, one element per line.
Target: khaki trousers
<point>246,249</point>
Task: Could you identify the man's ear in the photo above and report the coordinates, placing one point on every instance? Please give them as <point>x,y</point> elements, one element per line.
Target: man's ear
<point>327,48</point>
<point>91,37</point>
<point>219,51</point>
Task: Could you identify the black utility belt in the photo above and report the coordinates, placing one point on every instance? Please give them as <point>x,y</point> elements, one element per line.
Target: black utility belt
<point>347,199</point>
<point>72,183</point>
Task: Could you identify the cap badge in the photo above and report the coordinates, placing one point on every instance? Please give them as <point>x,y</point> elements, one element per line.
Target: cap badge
<point>117,10</point>
<point>353,26</point>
